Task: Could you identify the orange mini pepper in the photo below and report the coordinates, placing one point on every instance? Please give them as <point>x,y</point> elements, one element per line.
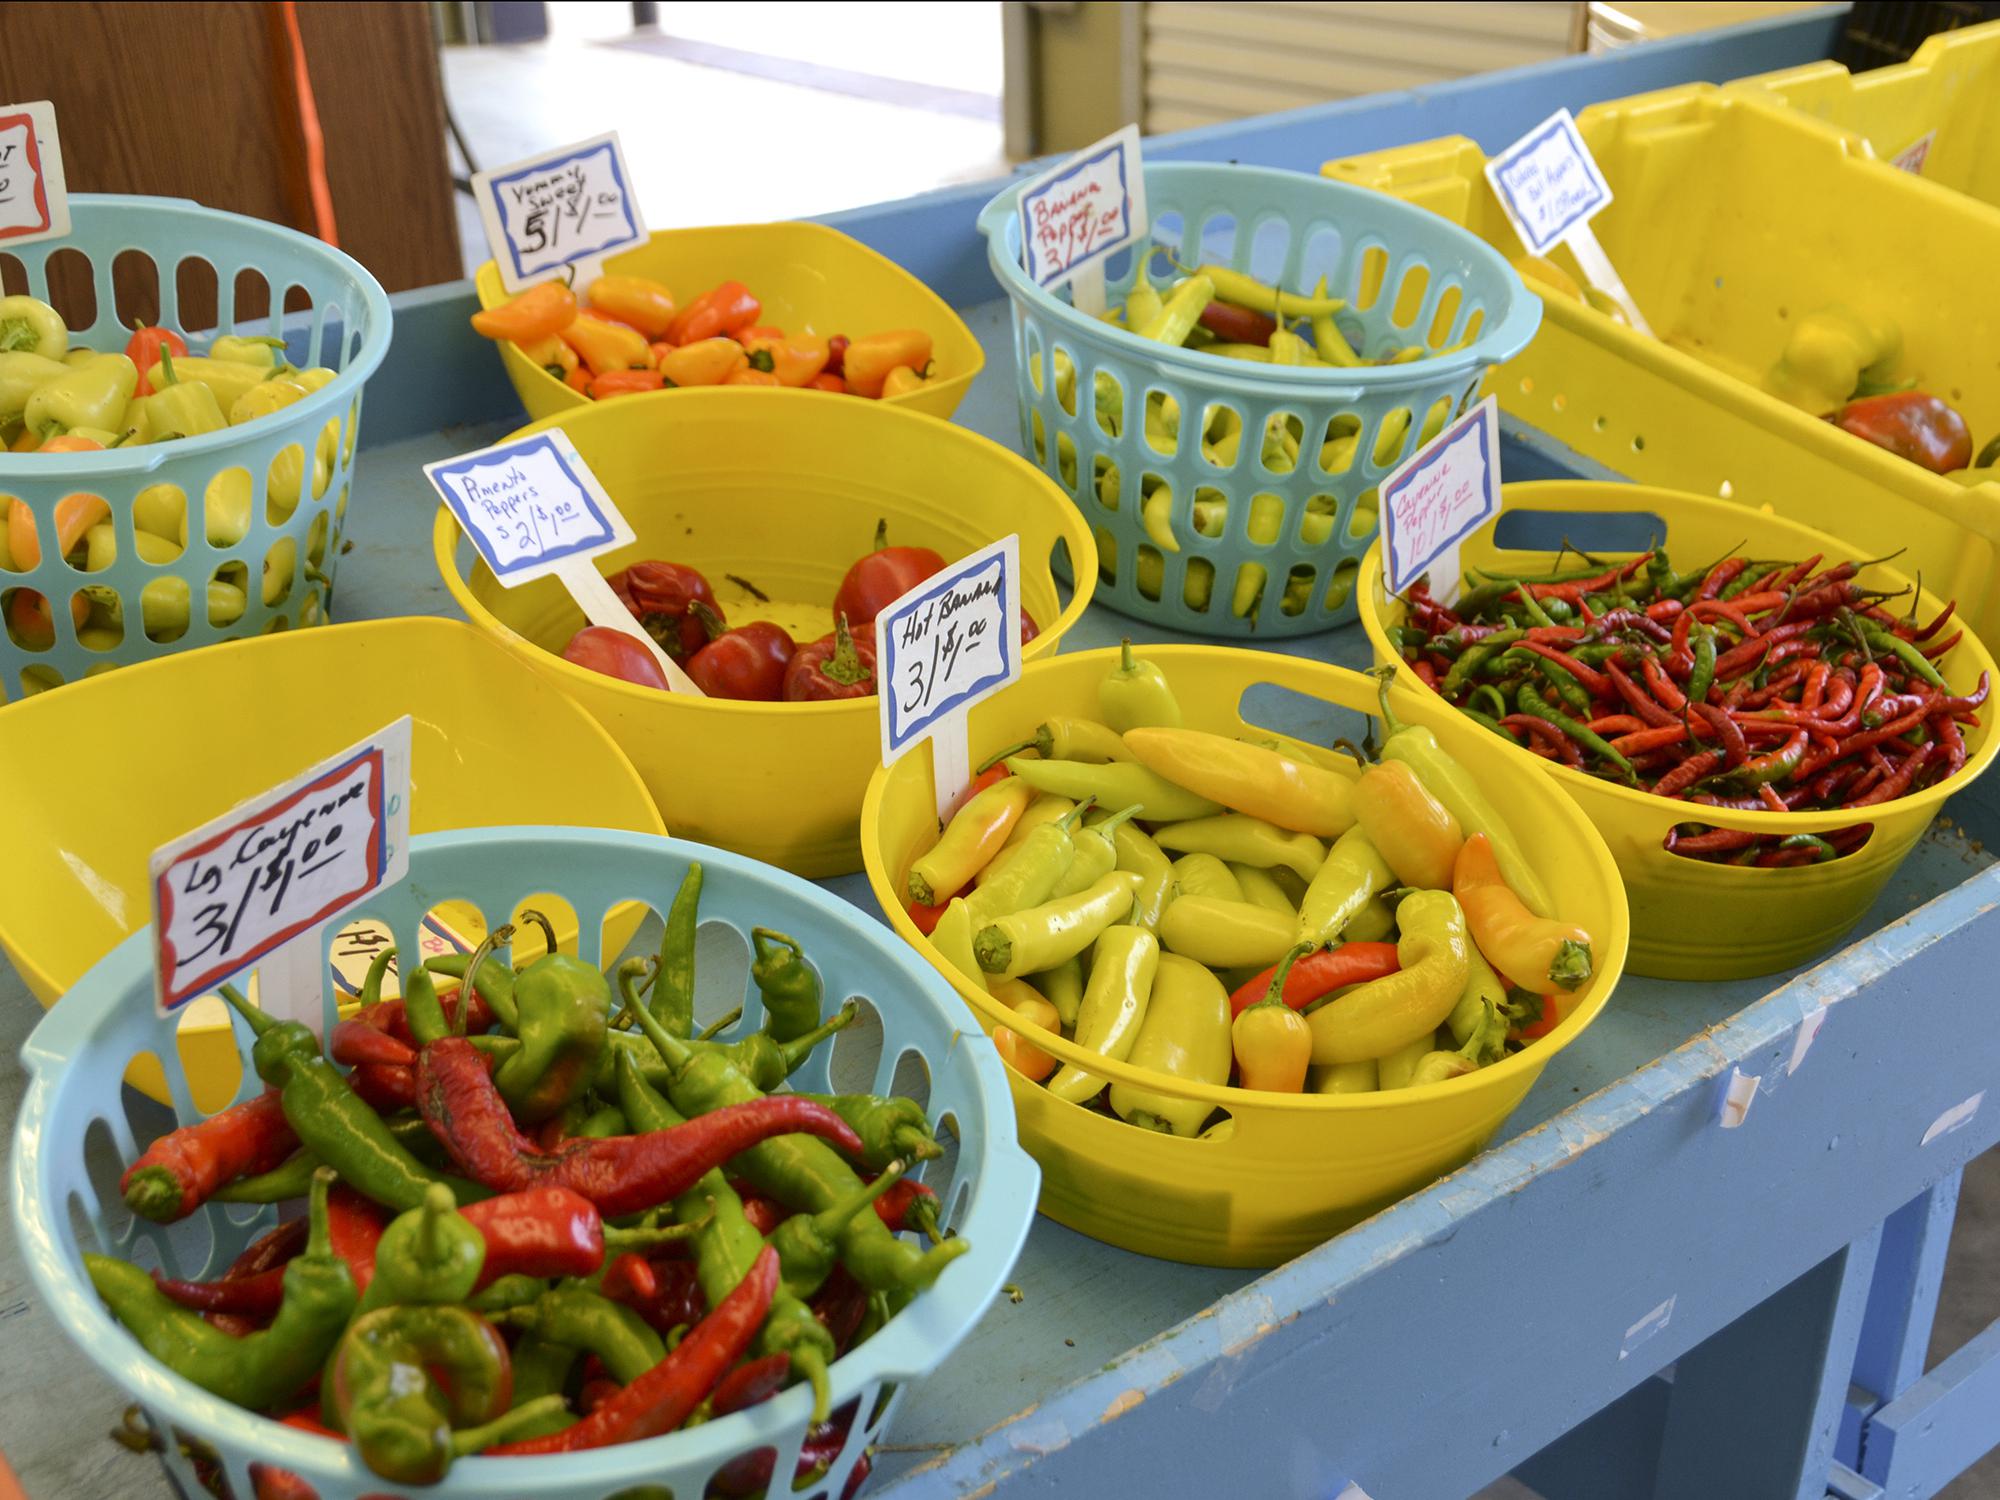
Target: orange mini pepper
<point>605,345</point>
<point>826,382</point>
<point>729,308</point>
<point>1272,1042</point>
<point>704,362</point>
<point>869,360</point>
<point>764,331</point>
<point>750,375</point>
<point>1020,1054</point>
<point>902,380</point>
<point>537,313</point>
<point>794,361</point>
<point>1532,952</point>
<point>637,301</point>
<point>624,383</point>
<point>75,514</point>
<point>552,354</point>
<point>579,380</point>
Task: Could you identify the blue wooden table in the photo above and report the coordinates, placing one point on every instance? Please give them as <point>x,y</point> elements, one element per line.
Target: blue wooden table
<point>1621,1297</point>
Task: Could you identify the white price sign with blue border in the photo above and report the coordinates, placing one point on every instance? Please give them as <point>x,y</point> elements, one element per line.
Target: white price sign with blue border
<point>1080,212</point>
<point>560,208</point>
<point>532,508</point>
<point>1551,188</point>
<point>949,642</point>
<point>1439,497</point>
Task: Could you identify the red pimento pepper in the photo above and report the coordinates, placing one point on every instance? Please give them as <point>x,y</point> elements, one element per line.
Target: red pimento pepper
<point>620,1174</point>
<point>1237,325</point>
<point>835,666</point>
<point>1321,973</point>
<point>750,1383</point>
<point>745,663</point>
<point>613,653</point>
<point>143,349</point>
<point>1914,425</point>
<point>354,1040</point>
<point>666,1395</point>
<point>728,309</point>
<point>176,1174</point>
<point>661,596</point>
<point>881,577</point>
<point>668,1295</point>
<point>926,917</point>
<point>836,354</point>
<point>909,1205</point>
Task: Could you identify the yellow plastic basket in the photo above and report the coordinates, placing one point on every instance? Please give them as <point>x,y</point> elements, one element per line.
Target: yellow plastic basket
<point>782,489</point>
<point>811,279</point>
<point>1692,919</point>
<point>126,761</point>
<point>1730,219</point>
<point>1297,1168</point>
<point>1949,91</point>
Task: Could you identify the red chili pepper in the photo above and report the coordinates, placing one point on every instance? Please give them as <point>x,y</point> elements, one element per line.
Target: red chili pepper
<point>1594,682</point>
<point>613,653</point>
<point>909,1205</point>
<point>764,1214</point>
<point>1663,686</point>
<point>620,1174</point>
<point>356,1041</point>
<point>354,1227</point>
<point>926,917</point>
<point>752,1382</point>
<point>1932,629</point>
<point>728,309</point>
<point>745,663</point>
<point>1550,1018</point>
<point>1634,695</point>
<point>540,1232</point>
<point>836,354</point>
<point>674,1300</point>
<point>835,666</point>
<point>1735,750</point>
<point>1549,742</point>
<point>750,1473</point>
<point>1638,742</point>
<point>1720,577</point>
<point>385,1088</point>
<point>143,349</point>
<point>1715,841</point>
<point>1580,586</point>
<point>1237,325</point>
<point>1687,773</point>
<point>624,383</point>
<point>1319,974</point>
<point>247,1296</point>
<point>1914,425</point>
<point>1897,782</point>
<point>661,596</point>
<point>176,1174</point>
<point>272,1483</point>
<point>1029,629</point>
<point>841,1305</point>
<point>879,578</point>
<point>666,1395</point>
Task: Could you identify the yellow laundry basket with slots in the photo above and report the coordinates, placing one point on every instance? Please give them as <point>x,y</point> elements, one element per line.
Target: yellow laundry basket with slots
<point>1730,220</point>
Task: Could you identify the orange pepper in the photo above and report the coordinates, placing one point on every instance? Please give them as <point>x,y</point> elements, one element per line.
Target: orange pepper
<point>764,331</point>
<point>729,308</point>
<point>28,618</point>
<point>624,383</point>
<point>825,382</point>
<point>605,345</point>
<point>579,380</point>
<point>902,380</point>
<point>75,514</point>
<point>750,376</point>
<point>704,362</point>
<point>795,361</point>
<point>659,351</point>
<point>1020,1054</point>
<point>869,360</point>
<point>552,354</point>
<point>1272,1042</point>
<point>638,301</point>
<point>537,313</point>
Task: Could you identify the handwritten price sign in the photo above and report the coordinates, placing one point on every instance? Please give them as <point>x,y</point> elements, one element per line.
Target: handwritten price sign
<point>567,205</point>
<point>276,868</point>
<point>34,204</point>
<point>949,642</point>
<point>1449,489</point>
<point>530,506</point>
<point>1083,210</point>
<point>1549,183</point>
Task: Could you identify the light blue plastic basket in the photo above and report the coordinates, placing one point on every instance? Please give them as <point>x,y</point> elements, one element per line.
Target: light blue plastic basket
<point>346,328</point>
<point>1408,277</point>
<point>988,1185</point>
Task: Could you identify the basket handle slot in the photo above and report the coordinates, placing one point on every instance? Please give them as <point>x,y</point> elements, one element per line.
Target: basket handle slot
<point>1626,531</point>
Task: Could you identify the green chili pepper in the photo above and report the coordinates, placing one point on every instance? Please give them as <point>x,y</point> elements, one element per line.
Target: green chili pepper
<point>1488,1036</point>
<point>767,1061</point>
<point>1136,695</point>
<point>1704,665</point>
<point>1062,986</point>
<point>541,1369</point>
<point>1533,704</point>
<point>788,984</point>
<point>512,1290</point>
<point>1070,739</point>
<point>1245,840</point>
<point>1530,605</point>
<point>329,1118</point>
<point>1474,658</point>
<point>492,979</point>
<point>1567,687</point>
<point>260,1370</point>
<point>800,1170</point>
<point>1906,652</point>
<point>1488,722</point>
<point>1822,850</point>
<point>565,1019</point>
<point>1122,971</point>
<point>429,1255</point>
<point>809,1244</point>
<point>727,1245</point>
<point>581,1319</point>
<point>891,1129</point>
<point>673,986</point>
<point>1095,853</point>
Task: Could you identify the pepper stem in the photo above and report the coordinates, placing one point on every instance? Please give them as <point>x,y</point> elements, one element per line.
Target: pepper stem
<point>1110,825</point>
<point>846,666</point>
<point>829,1222</point>
<point>711,622</point>
<point>810,1365</point>
<point>167,365</point>
<point>1069,819</point>
<point>673,1051</point>
<point>764,940</point>
<point>1383,677</point>
<point>438,1205</point>
<point>259,1023</point>
<point>721,1023</point>
<point>800,1047</point>
<point>1274,993</point>
<point>529,914</point>
<point>629,985</point>
<point>999,755</point>
<point>648,1237</point>
<point>468,981</point>
<point>882,534</point>
<point>319,1238</point>
<point>1126,661</point>
<point>371,986</point>
<point>1571,966</point>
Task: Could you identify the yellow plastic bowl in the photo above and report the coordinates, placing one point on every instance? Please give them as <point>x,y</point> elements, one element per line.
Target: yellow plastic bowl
<point>124,762</point>
<point>781,489</point>
<point>811,279</point>
<point>1297,1168</point>
<point>1692,919</point>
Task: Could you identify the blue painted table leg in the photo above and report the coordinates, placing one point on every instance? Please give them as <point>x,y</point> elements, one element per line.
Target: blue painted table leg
<point>1755,1409</point>
<point>1902,1304</point>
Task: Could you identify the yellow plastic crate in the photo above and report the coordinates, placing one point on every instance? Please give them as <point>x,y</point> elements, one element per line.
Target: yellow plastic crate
<point>1950,87</point>
<point>1731,218</point>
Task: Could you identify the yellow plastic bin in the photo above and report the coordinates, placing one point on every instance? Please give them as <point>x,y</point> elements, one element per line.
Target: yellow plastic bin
<point>811,279</point>
<point>1941,109</point>
<point>124,762</point>
<point>1296,1168</point>
<point>780,490</point>
<point>1729,221</point>
<point>1692,919</point>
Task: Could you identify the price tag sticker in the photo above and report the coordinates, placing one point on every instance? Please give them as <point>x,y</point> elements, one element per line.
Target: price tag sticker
<point>529,506</point>
<point>565,206</point>
<point>275,868</point>
<point>1078,213</point>
<point>1912,157</point>
<point>34,202</point>
<point>949,642</point>
<point>1439,496</point>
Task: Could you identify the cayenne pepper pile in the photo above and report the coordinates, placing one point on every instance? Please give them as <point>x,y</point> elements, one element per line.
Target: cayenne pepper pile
<point>1745,684</point>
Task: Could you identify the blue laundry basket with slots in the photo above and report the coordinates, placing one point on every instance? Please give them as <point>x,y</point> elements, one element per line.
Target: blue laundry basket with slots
<point>295,465</point>
<point>987,1184</point>
<point>1263,550</point>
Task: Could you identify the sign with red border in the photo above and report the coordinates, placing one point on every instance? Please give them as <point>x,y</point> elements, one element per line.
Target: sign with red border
<point>34,201</point>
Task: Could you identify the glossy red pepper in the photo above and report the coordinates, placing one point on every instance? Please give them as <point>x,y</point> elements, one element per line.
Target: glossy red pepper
<point>1320,973</point>
<point>839,665</point>
<point>613,653</point>
<point>1237,325</point>
<point>661,596</point>
<point>1911,424</point>
<point>748,662</point>
<point>176,1174</point>
<point>624,383</point>
<point>1029,629</point>
<point>143,349</point>
<point>880,578</point>
<point>729,308</point>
